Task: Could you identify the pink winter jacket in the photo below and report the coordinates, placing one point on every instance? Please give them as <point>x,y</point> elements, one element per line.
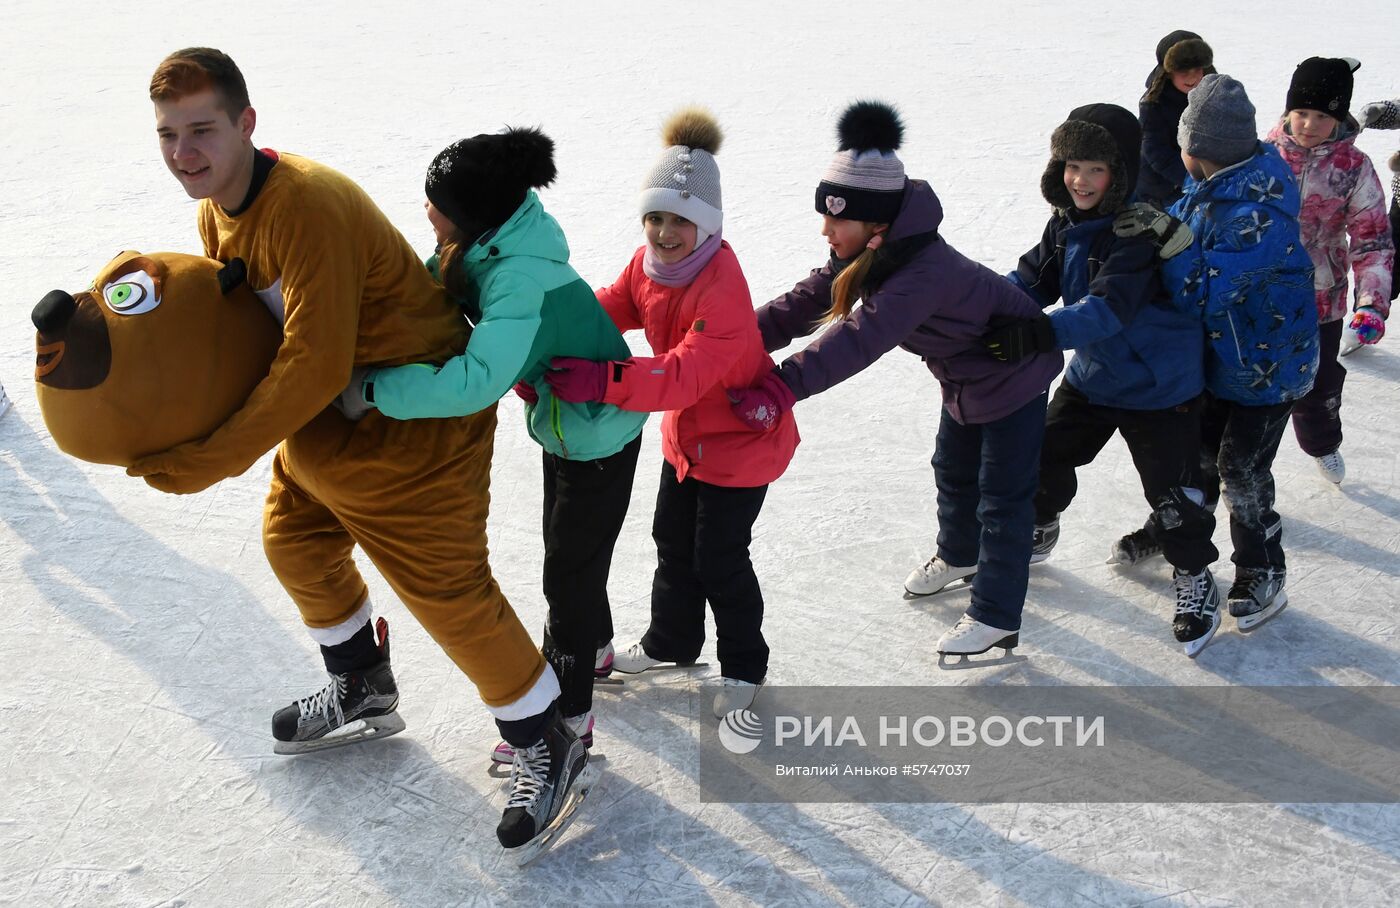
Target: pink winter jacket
<point>706,337</point>
<point>1341,195</point>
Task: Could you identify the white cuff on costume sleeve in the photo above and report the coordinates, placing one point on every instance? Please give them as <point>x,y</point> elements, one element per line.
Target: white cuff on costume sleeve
<point>536,700</point>
<point>339,633</point>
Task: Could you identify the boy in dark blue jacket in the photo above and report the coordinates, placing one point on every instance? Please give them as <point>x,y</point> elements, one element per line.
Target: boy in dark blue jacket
<point>1183,59</point>
<point>1250,277</point>
<point>1137,367</point>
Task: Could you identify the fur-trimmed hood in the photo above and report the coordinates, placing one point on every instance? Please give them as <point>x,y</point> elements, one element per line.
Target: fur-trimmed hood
<point>1095,132</point>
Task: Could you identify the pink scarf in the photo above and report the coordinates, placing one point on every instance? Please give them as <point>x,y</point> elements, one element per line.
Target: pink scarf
<point>683,272</point>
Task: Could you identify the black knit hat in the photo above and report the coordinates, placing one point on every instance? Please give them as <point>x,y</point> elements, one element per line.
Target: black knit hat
<point>478,183</point>
<point>865,181</point>
<point>1324,84</point>
<point>1095,132</point>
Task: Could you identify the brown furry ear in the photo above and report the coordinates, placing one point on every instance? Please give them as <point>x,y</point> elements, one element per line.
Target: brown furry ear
<point>693,127</point>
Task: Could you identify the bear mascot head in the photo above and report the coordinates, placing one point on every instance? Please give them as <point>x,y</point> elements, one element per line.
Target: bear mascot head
<point>161,350</point>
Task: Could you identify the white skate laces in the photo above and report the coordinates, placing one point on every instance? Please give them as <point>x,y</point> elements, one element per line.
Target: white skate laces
<point>1192,593</point>
<point>528,777</point>
<point>326,703</point>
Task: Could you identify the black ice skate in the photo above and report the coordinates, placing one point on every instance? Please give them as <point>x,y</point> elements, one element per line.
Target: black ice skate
<point>353,707</point>
<point>970,637</point>
<point>548,783</point>
<point>1256,596</point>
<point>1043,543</point>
<point>1135,548</point>
<point>1197,609</point>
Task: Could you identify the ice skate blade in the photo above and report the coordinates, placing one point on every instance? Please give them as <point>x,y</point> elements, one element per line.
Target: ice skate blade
<point>663,668</point>
<point>541,843</point>
<point>962,583</point>
<point>1117,556</point>
<point>609,680</point>
<point>1247,624</point>
<point>965,660</point>
<point>369,730</point>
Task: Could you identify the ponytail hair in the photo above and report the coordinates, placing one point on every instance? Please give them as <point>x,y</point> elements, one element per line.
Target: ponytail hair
<point>450,270</point>
<point>850,284</point>
<point>846,289</point>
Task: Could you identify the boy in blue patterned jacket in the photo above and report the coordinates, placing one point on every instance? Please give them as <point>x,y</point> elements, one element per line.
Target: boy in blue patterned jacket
<point>1252,279</point>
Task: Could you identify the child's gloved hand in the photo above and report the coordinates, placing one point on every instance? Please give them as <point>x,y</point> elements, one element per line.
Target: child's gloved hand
<point>761,406</point>
<point>1379,115</point>
<point>577,380</point>
<point>1365,328</point>
<point>526,392</point>
<point>1013,341</point>
<point>1172,236</point>
<point>352,402</point>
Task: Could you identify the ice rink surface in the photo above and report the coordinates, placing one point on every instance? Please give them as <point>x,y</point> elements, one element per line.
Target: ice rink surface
<point>147,642</point>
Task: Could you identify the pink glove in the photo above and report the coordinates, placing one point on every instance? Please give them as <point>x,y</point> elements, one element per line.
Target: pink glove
<point>1368,325</point>
<point>761,406</point>
<point>577,380</point>
<point>526,392</point>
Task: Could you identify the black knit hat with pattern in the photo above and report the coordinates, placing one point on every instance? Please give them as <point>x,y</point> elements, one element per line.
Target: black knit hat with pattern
<point>1324,84</point>
<point>480,182</point>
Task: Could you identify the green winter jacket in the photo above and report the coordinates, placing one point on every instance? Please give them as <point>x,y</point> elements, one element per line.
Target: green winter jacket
<point>528,305</point>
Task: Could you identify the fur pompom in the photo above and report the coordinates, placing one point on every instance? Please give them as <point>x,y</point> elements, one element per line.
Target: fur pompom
<point>529,153</point>
<point>1395,162</point>
<point>870,125</point>
<point>693,127</point>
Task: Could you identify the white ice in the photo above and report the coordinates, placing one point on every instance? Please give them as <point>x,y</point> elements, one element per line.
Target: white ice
<point>147,643</point>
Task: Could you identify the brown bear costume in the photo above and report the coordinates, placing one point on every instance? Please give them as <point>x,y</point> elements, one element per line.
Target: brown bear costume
<point>205,351</point>
<point>211,395</point>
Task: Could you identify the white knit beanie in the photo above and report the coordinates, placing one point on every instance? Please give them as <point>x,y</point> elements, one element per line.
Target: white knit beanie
<point>685,179</point>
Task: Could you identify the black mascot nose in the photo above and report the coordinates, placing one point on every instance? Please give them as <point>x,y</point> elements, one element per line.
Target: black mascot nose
<point>53,311</point>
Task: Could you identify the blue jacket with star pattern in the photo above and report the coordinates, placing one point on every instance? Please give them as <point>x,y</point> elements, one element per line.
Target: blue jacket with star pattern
<point>1251,279</point>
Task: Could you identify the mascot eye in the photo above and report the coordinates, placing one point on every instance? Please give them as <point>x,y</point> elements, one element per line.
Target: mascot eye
<point>134,294</point>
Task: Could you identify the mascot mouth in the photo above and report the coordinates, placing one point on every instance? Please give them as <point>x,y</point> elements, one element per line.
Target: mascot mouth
<point>73,349</point>
<point>47,359</point>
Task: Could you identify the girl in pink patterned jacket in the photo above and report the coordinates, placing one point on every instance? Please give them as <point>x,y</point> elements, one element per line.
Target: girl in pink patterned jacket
<point>1342,197</point>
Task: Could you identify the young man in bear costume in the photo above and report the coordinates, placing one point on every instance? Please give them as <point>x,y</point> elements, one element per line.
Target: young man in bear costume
<point>350,292</point>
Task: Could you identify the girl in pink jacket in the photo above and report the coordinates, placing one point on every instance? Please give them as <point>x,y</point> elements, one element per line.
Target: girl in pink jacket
<point>685,290</point>
<point>1342,198</point>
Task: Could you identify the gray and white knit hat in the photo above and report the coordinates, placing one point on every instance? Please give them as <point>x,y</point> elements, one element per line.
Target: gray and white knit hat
<point>1218,122</point>
<point>685,179</point>
<point>865,181</point>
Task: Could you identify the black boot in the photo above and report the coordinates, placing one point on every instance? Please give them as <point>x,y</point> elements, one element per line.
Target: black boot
<point>542,777</point>
<point>366,694</point>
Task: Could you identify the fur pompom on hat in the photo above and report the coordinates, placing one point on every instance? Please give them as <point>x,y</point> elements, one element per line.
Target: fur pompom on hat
<point>865,181</point>
<point>685,179</point>
<point>1094,132</point>
<point>478,183</point>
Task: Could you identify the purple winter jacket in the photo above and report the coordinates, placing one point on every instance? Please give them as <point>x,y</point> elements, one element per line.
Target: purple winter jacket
<point>936,305</point>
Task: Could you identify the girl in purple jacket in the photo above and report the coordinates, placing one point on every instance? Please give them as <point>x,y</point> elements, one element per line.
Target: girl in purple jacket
<point>919,293</point>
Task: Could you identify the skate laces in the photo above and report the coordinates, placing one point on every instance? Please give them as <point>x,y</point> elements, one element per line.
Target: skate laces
<point>1191,593</point>
<point>529,773</point>
<point>327,702</point>
<point>964,624</point>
